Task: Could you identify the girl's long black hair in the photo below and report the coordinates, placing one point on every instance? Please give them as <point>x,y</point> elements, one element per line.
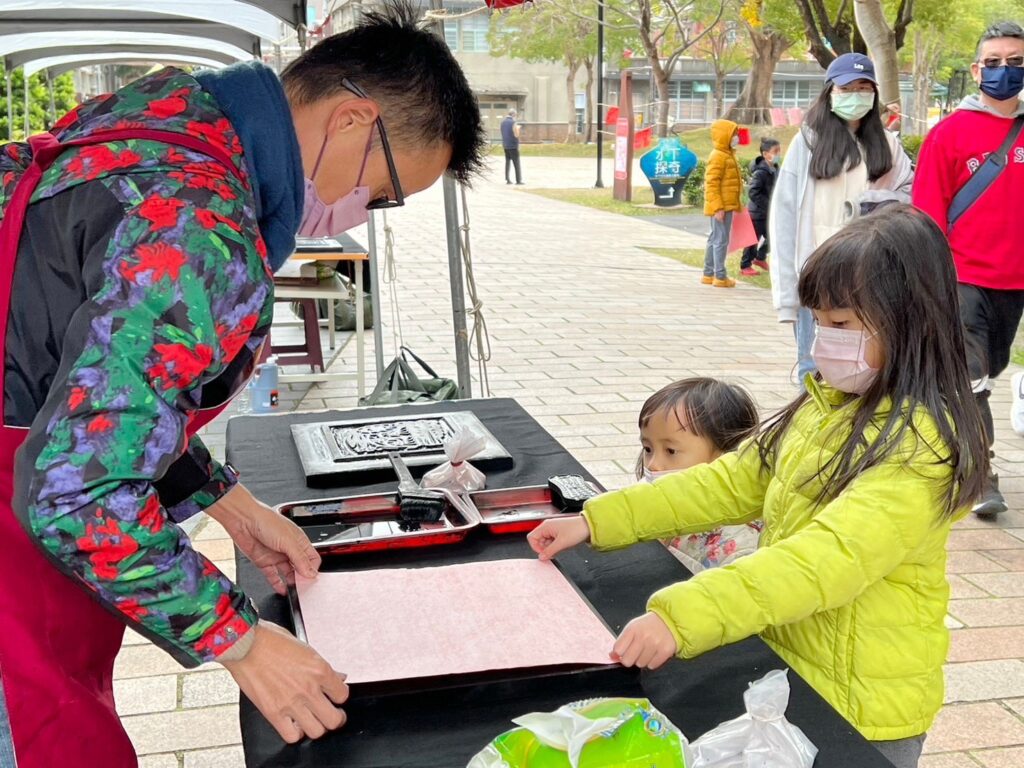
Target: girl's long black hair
<point>894,269</point>
<point>835,149</point>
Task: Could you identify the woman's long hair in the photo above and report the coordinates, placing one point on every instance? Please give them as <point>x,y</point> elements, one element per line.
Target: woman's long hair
<point>894,269</point>
<point>835,150</point>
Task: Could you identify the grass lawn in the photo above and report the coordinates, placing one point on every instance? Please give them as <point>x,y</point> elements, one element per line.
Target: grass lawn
<point>695,258</point>
<point>602,200</point>
<point>698,140</point>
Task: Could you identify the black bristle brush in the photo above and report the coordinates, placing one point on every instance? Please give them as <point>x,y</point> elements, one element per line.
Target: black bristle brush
<point>415,504</point>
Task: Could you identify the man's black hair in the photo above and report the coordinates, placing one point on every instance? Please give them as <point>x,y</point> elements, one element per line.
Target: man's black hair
<point>422,93</point>
<point>998,30</point>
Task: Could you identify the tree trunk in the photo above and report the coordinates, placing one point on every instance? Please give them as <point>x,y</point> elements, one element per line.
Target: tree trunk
<point>719,93</point>
<point>753,107</point>
<point>881,41</point>
<point>588,118</point>
<point>572,67</point>
<point>661,76</point>
<point>926,58</point>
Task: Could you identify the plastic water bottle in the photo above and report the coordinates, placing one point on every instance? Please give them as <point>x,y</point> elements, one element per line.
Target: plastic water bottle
<point>243,400</point>
<point>265,393</point>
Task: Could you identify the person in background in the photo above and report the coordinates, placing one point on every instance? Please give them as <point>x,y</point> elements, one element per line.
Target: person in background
<point>841,163</point>
<point>986,238</point>
<point>759,193</point>
<point>722,186</point>
<point>510,142</point>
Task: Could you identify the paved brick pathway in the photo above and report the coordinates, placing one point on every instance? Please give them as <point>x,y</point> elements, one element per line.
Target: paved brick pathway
<point>585,324</point>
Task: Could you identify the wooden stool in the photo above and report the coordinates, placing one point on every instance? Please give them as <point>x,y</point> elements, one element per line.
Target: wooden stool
<point>310,352</point>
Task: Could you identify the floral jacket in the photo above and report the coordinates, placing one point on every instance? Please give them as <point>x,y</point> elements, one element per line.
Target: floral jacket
<point>140,279</point>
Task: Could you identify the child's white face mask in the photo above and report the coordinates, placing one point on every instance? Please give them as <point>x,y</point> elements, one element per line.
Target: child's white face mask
<point>650,477</point>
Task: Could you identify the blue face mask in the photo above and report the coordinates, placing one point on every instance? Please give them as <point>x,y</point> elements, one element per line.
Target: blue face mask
<point>1002,83</point>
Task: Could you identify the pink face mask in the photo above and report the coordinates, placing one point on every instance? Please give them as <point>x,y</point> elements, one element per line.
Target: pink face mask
<point>322,220</point>
<point>839,355</point>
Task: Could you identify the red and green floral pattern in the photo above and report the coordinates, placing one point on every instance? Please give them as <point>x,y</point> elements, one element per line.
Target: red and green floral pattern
<point>185,286</point>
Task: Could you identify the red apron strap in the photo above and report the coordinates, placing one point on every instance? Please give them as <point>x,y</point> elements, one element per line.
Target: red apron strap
<point>45,149</point>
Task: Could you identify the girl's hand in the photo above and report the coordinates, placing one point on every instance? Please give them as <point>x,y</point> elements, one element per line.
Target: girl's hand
<point>720,216</point>
<point>645,642</point>
<point>552,536</point>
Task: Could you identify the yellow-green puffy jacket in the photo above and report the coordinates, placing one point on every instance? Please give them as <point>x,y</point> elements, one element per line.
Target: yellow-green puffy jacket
<point>722,180</point>
<point>852,593</point>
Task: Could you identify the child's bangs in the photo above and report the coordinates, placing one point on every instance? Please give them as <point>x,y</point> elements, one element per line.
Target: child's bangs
<point>833,277</point>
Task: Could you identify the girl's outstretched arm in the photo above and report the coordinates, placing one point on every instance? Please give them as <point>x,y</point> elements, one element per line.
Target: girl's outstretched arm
<point>850,544</point>
<point>728,491</point>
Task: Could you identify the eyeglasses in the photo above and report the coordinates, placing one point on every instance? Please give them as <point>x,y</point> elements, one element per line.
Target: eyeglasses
<point>381,202</point>
<point>1011,61</point>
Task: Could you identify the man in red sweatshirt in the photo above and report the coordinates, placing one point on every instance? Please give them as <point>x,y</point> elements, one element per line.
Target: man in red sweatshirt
<point>986,238</point>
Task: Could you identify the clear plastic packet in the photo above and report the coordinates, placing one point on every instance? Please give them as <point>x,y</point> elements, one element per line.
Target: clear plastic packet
<point>457,474</point>
<point>761,738</point>
<point>598,733</point>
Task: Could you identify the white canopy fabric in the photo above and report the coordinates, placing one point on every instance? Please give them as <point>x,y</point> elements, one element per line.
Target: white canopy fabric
<point>232,13</point>
<point>146,52</point>
<point>58,39</point>
<point>21,34</point>
<point>58,65</point>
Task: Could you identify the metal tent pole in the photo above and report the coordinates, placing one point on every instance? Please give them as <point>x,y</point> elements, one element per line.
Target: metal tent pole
<point>10,103</point>
<point>378,334</point>
<point>53,103</point>
<point>28,128</point>
<point>599,184</point>
<point>451,220</point>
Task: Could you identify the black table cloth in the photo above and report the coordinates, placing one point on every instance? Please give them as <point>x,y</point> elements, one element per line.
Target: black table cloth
<point>443,729</point>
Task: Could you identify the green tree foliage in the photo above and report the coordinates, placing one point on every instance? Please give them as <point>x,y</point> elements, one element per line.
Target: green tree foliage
<point>39,102</point>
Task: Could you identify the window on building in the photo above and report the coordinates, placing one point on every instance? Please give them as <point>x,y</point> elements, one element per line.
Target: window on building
<point>468,35</point>
<point>732,90</point>
<point>790,93</point>
<point>473,33</point>
<point>451,34</point>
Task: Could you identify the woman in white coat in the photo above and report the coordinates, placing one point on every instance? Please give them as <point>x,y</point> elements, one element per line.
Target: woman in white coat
<point>840,165</point>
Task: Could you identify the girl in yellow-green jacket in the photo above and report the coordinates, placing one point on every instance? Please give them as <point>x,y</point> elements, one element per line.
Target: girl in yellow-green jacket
<point>858,482</point>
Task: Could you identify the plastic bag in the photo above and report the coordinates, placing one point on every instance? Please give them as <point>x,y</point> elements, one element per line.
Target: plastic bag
<point>762,738</point>
<point>598,733</point>
<point>457,474</point>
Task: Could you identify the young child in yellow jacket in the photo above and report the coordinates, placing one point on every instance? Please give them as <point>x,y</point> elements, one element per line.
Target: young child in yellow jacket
<point>858,481</point>
<point>723,184</point>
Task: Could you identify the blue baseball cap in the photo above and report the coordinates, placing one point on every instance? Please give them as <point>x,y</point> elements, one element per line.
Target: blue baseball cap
<point>849,67</point>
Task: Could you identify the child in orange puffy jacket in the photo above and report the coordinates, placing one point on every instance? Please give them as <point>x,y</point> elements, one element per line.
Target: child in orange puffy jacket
<point>722,185</point>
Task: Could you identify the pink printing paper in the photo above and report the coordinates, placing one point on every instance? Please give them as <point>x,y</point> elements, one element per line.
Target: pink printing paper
<point>397,624</point>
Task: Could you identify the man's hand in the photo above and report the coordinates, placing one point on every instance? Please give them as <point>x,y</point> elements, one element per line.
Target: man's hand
<point>272,542</point>
<point>552,536</point>
<point>291,684</point>
<point>720,216</point>
<point>645,642</point>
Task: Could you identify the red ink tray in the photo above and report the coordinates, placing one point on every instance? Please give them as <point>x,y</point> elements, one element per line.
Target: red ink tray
<point>357,524</point>
<point>517,510</point>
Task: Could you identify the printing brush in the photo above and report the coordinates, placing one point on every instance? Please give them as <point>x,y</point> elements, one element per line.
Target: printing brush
<point>415,504</point>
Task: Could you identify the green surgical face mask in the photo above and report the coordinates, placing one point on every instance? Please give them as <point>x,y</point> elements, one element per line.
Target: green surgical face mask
<point>852,106</point>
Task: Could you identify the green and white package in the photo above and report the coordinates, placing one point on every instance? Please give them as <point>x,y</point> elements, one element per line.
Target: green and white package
<point>597,733</point>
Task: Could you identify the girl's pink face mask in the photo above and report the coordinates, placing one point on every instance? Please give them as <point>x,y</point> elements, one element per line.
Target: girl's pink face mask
<point>840,355</point>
